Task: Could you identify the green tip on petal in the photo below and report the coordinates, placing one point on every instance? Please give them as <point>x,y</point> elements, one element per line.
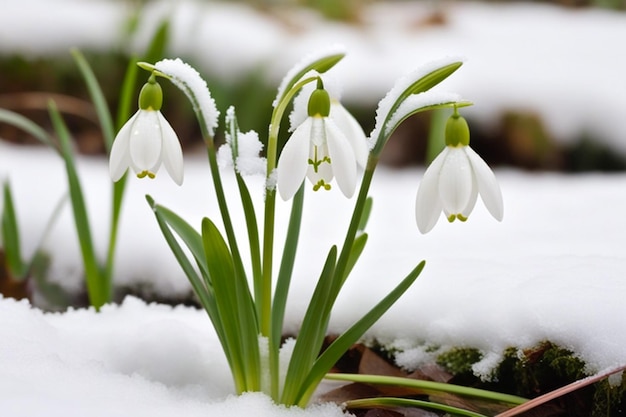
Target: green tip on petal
<point>151,95</point>
<point>319,103</point>
<point>457,130</point>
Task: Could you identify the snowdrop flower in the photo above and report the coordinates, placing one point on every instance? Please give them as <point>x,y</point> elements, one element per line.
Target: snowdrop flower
<point>454,179</point>
<point>147,140</point>
<point>317,149</point>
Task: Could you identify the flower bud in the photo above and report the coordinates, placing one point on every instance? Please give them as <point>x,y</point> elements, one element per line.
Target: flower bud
<point>457,131</point>
<point>151,95</point>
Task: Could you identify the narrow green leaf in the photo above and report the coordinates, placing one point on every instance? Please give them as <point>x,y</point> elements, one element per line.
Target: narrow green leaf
<point>431,79</point>
<point>365,216</point>
<point>429,387</point>
<point>127,94</point>
<point>355,253</point>
<point>11,236</point>
<point>321,65</point>
<point>96,285</point>
<point>205,293</point>
<point>283,282</point>
<point>187,233</point>
<point>312,333</point>
<point>332,354</point>
<point>28,126</point>
<point>97,98</point>
<point>392,402</point>
<point>237,317</point>
<point>436,134</point>
<point>439,106</point>
<point>158,44</point>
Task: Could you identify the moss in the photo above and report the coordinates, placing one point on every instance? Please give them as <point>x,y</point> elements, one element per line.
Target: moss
<point>459,360</point>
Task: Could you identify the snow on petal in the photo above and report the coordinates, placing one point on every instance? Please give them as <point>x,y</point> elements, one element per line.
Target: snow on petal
<point>487,184</point>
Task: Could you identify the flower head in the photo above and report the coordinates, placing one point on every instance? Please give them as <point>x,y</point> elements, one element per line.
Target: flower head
<point>147,140</point>
<point>454,180</point>
<point>320,150</point>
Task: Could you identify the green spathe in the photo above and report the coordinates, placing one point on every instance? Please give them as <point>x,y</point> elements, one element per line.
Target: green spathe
<point>151,95</point>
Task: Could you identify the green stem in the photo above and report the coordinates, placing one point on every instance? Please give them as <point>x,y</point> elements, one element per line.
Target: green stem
<point>270,208</point>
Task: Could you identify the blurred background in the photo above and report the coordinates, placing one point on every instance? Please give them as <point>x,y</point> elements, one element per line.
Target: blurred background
<point>547,77</point>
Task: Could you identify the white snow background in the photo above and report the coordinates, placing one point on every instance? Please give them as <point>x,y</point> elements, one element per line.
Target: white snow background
<point>553,269</point>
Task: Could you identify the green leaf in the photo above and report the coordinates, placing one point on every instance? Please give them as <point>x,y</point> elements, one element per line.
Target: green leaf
<point>187,233</point>
<point>97,97</point>
<point>332,354</point>
<point>283,282</point>
<point>429,387</point>
<point>166,220</point>
<point>158,44</point>
<point>320,65</point>
<point>367,210</point>
<point>127,94</point>
<point>98,290</point>
<point>312,333</point>
<point>436,134</point>
<point>355,254</point>
<point>420,85</point>
<point>235,307</point>
<point>28,126</point>
<point>11,236</point>
<point>392,402</point>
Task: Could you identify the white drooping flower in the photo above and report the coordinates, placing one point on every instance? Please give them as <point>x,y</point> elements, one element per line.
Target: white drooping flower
<point>317,149</point>
<point>147,140</point>
<point>340,115</point>
<point>454,180</point>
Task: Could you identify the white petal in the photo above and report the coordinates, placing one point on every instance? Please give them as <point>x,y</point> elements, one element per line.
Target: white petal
<point>342,158</point>
<point>487,184</point>
<point>472,200</point>
<point>145,142</point>
<point>293,162</point>
<point>119,158</point>
<point>455,181</point>
<point>353,131</point>
<point>427,203</point>
<point>172,153</point>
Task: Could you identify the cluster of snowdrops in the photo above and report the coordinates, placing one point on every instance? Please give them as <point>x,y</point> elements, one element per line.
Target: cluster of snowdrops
<point>325,145</point>
<point>246,297</point>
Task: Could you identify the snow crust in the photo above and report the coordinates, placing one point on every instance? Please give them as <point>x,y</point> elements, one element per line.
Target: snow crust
<point>552,270</point>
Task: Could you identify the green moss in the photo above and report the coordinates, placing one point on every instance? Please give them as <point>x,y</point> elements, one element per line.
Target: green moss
<point>459,360</point>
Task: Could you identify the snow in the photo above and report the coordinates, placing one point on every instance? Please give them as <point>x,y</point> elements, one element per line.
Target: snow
<point>195,87</point>
<point>553,269</point>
